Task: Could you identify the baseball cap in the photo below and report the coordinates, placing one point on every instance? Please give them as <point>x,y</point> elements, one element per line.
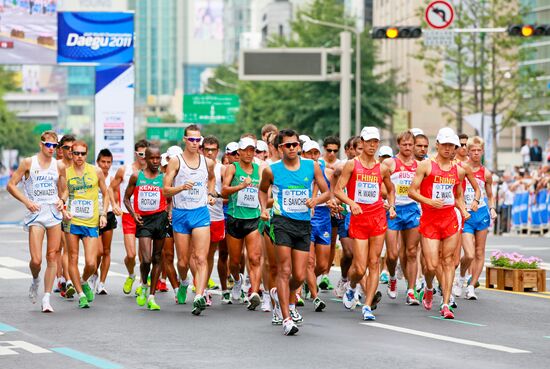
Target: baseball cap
<point>174,151</point>
<point>447,135</point>
<point>164,159</point>
<point>310,145</point>
<point>261,145</point>
<point>369,133</point>
<point>304,138</point>
<point>385,151</point>
<point>231,147</point>
<point>246,142</point>
<point>416,131</point>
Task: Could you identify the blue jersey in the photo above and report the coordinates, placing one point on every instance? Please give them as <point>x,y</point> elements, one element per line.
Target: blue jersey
<point>291,189</point>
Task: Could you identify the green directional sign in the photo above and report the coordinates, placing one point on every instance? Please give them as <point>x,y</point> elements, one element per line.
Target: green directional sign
<point>210,109</point>
<point>164,133</point>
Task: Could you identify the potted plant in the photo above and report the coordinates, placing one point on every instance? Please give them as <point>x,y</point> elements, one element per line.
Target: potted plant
<point>515,271</point>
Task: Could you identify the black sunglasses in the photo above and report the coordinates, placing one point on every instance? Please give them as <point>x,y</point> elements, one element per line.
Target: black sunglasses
<point>66,147</point>
<point>332,151</point>
<point>288,145</point>
<point>233,153</point>
<point>463,145</point>
<point>80,153</point>
<point>259,151</point>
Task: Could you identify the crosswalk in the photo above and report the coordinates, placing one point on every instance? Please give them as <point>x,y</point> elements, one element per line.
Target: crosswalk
<point>29,28</point>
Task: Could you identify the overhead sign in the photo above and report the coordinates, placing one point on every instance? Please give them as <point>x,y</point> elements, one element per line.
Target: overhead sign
<point>164,133</point>
<point>98,38</point>
<point>283,64</point>
<point>210,109</point>
<point>439,14</point>
<point>439,38</point>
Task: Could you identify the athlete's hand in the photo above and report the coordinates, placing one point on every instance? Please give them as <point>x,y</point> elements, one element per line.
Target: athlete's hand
<point>247,181</point>
<point>474,206</point>
<point>117,210</point>
<point>59,205</point>
<point>102,221</point>
<point>393,214</point>
<point>211,200</point>
<point>332,206</point>
<point>465,215</point>
<point>356,209</point>
<point>493,213</point>
<point>67,215</point>
<point>138,219</point>
<point>264,215</point>
<point>187,186</point>
<point>438,204</point>
<point>386,205</point>
<point>311,203</point>
<point>33,207</point>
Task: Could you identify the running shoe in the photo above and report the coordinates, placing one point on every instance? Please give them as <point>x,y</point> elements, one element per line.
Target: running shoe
<point>149,281</point>
<point>319,304</point>
<point>230,281</point>
<point>392,289</point>
<point>237,288</point>
<point>452,302</point>
<point>266,302</point>
<point>246,285</point>
<point>57,287</point>
<point>162,287</point>
<point>137,292</point>
<point>428,298</point>
<point>306,291</point>
<point>83,302</point>
<point>296,316</point>
<point>384,277</point>
<point>46,306</point>
<point>470,293</point>
<point>457,286</point>
<point>88,291</point>
<point>243,298</point>
<point>470,280</point>
<point>276,320</point>
<point>199,304</point>
<point>411,299</point>
<point>420,284</point>
<point>63,289</point>
<point>92,281</point>
<point>142,298</point>
<point>152,304</point>
<point>299,300</point>
<point>101,289</point>
<point>33,291</point>
<point>212,285</point>
<point>367,313</point>
<point>254,301</point>
<point>276,306</point>
<point>208,298</point>
<point>446,313</point>
<point>182,294</point>
<point>70,291</point>
<point>127,288</point>
<point>324,284</point>
<point>340,288</point>
<point>226,297</point>
<point>375,300</point>
<point>289,327</point>
<point>349,300</point>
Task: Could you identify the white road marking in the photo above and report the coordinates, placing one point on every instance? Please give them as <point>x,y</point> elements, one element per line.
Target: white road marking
<point>6,273</point>
<point>461,341</point>
<point>6,348</point>
<point>12,262</point>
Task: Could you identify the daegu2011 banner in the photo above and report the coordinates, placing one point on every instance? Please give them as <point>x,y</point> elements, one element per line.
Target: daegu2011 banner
<point>95,38</point>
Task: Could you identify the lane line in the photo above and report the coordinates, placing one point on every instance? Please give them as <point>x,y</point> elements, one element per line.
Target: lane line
<point>532,294</point>
<point>461,341</point>
<point>6,273</point>
<point>8,261</point>
<point>457,321</point>
<point>7,328</point>
<point>89,359</point>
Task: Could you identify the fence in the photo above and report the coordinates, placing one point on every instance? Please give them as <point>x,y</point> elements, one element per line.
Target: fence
<point>530,212</point>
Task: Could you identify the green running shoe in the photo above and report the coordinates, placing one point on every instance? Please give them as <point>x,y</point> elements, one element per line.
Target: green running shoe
<point>199,304</point>
<point>323,285</point>
<point>330,287</point>
<point>88,291</point>
<point>299,300</point>
<point>70,291</point>
<point>182,294</point>
<point>83,302</point>
<point>149,281</point>
<point>212,285</point>
<point>138,291</point>
<point>152,305</point>
<point>128,285</point>
<point>142,298</point>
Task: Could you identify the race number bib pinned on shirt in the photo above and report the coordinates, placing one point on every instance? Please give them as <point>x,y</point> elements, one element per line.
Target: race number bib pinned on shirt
<point>248,198</point>
<point>469,194</point>
<point>149,200</point>
<point>294,200</point>
<point>366,192</point>
<point>443,192</point>
<point>83,209</point>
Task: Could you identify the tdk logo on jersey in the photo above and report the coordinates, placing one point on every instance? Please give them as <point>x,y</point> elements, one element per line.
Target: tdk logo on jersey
<point>96,41</point>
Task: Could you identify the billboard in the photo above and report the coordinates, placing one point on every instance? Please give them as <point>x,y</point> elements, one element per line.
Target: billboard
<point>98,38</point>
<point>28,30</point>
<point>208,20</point>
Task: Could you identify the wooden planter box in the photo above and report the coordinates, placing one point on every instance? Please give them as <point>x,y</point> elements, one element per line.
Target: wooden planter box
<point>519,280</point>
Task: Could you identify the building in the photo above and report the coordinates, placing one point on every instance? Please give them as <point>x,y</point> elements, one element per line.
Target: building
<point>236,22</point>
<point>35,107</point>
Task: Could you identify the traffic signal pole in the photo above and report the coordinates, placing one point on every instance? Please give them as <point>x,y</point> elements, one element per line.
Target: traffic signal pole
<point>345,89</point>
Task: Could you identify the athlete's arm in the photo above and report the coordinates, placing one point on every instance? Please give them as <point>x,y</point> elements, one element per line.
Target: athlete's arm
<point>489,192</point>
<point>211,181</point>
<point>459,199</point>
<point>385,171</point>
<point>342,183</point>
<point>171,170</point>
<point>62,191</point>
<point>128,194</point>
<point>323,187</point>
<point>227,189</point>
<point>477,196</point>
<point>414,189</point>
<point>115,187</point>
<point>105,194</point>
<point>23,168</point>
<point>265,185</point>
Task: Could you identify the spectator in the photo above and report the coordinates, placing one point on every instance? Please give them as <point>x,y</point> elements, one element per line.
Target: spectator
<point>525,153</point>
<point>548,151</point>
<point>535,152</point>
<point>505,199</point>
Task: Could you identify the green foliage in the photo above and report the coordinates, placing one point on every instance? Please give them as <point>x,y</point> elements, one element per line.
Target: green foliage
<point>311,108</point>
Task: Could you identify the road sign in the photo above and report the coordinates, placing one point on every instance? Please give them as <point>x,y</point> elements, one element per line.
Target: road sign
<point>439,38</point>
<point>283,64</point>
<point>210,109</point>
<point>439,14</point>
<point>165,133</point>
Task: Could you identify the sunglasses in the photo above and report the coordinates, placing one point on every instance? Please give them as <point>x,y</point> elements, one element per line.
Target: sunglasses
<point>49,145</point>
<point>288,145</point>
<point>66,147</point>
<point>210,149</point>
<point>259,151</point>
<point>193,139</point>
<point>233,153</point>
<point>141,154</point>
<point>463,145</point>
<point>332,151</point>
<point>79,153</point>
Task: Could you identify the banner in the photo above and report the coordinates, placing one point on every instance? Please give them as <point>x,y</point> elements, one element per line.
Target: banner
<point>114,113</point>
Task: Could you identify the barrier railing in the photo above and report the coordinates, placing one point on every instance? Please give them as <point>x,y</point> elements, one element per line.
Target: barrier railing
<point>530,212</point>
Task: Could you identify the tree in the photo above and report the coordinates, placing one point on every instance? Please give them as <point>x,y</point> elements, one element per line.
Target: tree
<point>311,108</point>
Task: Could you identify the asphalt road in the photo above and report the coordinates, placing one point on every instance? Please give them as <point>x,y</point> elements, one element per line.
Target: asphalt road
<point>500,330</point>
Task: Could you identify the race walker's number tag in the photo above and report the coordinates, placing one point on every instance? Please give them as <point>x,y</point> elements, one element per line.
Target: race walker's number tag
<point>469,194</point>
<point>83,209</point>
<point>294,200</point>
<point>367,192</point>
<point>149,200</point>
<point>248,198</point>
<point>443,192</point>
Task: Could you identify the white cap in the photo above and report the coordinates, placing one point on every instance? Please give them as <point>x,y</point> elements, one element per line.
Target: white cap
<point>385,151</point>
<point>232,146</point>
<point>304,138</point>
<point>310,145</point>
<point>174,151</point>
<point>369,133</point>
<point>447,135</point>
<point>164,159</point>
<point>261,145</point>
<point>416,131</point>
<point>246,142</point>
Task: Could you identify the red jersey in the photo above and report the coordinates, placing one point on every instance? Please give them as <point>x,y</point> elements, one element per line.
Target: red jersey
<point>148,196</point>
<point>440,185</point>
<point>402,179</point>
<point>364,187</point>
<point>469,193</point>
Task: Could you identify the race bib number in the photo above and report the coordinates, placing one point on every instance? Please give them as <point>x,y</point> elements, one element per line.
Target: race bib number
<point>192,195</point>
<point>469,194</point>
<point>402,189</point>
<point>443,192</point>
<point>248,198</point>
<point>294,200</point>
<point>148,200</point>
<point>83,209</point>
<point>366,192</point>
<point>45,191</point>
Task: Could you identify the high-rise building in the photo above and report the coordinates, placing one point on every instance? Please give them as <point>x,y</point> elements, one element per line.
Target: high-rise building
<point>236,22</point>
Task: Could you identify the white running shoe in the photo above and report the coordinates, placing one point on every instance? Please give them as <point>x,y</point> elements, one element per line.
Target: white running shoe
<point>276,307</point>
<point>470,293</point>
<point>289,327</point>
<point>46,306</point>
<point>296,316</point>
<point>349,300</point>
<point>392,288</point>
<point>101,289</point>
<point>92,282</point>
<point>457,286</point>
<point>254,301</point>
<point>237,288</point>
<point>266,302</point>
<point>33,290</point>
<point>340,288</point>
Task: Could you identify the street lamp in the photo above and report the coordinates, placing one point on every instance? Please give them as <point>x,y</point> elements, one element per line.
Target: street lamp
<point>357,65</point>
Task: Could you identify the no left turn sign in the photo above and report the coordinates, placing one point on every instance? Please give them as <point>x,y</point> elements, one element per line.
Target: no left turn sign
<point>439,14</point>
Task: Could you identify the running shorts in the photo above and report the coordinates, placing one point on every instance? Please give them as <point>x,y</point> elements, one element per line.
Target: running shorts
<point>479,220</point>
<point>128,224</point>
<point>185,220</point>
<point>154,226</point>
<point>217,230</point>
<point>292,233</point>
<point>111,223</point>
<point>439,225</point>
<point>240,228</point>
<point>408,217</point>
<point>83,231</point>
<point>367,225</point>
<point>47,217</point>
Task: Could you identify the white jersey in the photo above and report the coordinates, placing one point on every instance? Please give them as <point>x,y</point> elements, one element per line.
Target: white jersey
<point>128,171</point>
<point>216,210</point>
<point>41,186</point>
<point>108,179</point>
<point>197,196</point>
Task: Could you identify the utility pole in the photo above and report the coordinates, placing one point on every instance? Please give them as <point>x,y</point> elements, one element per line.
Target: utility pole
<point>345,89</point>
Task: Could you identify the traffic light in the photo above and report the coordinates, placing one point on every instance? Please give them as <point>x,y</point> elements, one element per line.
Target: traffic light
<point>529,30</point>
<point>392,32</point>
